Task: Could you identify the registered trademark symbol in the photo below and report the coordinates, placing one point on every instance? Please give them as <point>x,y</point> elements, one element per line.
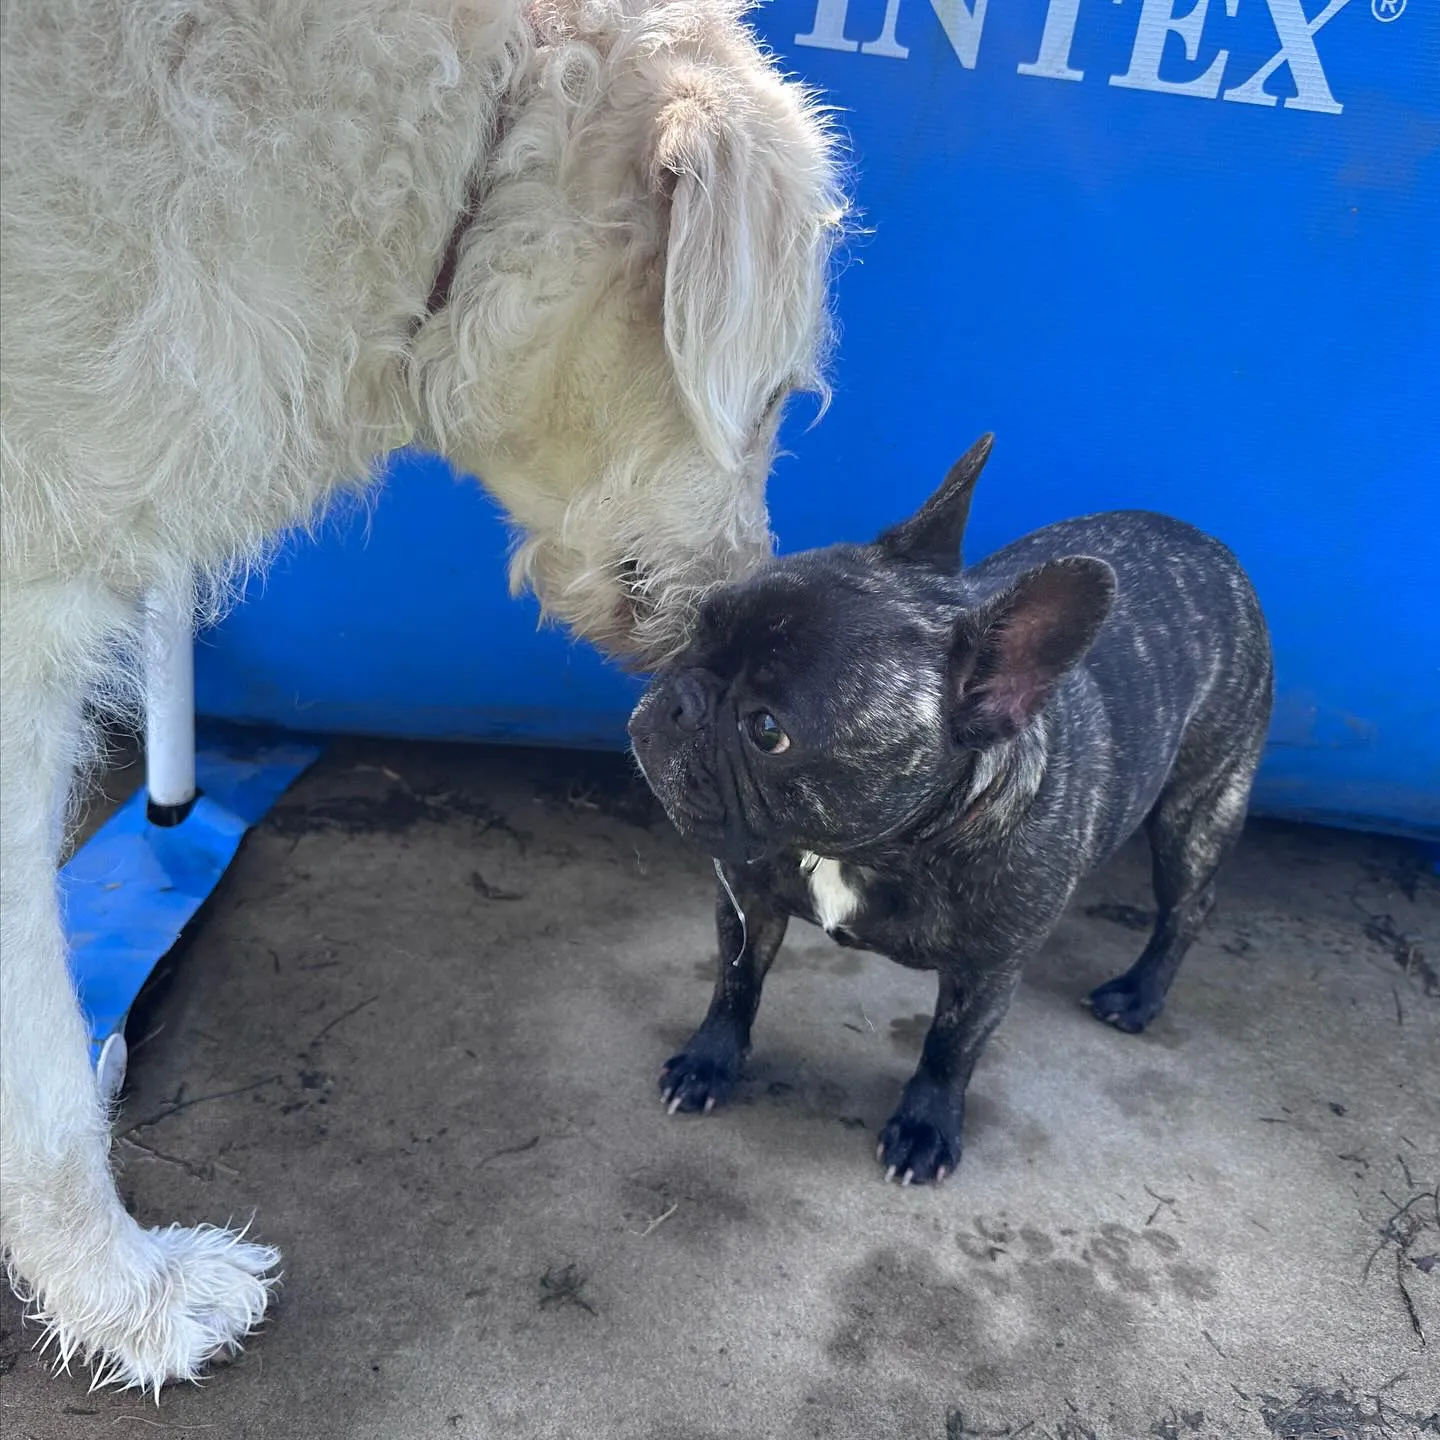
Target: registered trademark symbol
<point>1387,10</point>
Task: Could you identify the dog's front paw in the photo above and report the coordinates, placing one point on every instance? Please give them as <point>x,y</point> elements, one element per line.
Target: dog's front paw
<point>699,1079</point>
<point>1126,1004</point>
<point>161,1307</point>
<point>917,1150</point>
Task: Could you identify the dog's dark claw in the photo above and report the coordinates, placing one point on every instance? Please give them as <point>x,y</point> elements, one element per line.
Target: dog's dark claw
<point>694,1082</point>
<point>916,1151</point>
<point>1125,1005</point>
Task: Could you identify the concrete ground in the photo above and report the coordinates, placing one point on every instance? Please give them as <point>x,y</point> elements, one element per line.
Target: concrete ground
<point>418,1029</point>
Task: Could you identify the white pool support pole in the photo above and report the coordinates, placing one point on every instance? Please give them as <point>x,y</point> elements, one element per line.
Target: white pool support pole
<point>169,660</point>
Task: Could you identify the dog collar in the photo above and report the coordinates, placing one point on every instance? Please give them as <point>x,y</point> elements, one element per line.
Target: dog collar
<point>450,260</point>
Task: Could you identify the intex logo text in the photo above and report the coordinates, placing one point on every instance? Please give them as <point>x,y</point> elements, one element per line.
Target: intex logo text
<point>963,23</point>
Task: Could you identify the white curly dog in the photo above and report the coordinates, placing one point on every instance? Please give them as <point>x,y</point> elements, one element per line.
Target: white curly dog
<point>578,246</point>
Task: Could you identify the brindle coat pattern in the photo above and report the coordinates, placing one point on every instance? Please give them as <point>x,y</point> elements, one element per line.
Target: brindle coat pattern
<point>964,745</point>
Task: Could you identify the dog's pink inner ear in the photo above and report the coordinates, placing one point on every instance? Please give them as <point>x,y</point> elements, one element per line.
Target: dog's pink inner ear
<point>1007,657</point>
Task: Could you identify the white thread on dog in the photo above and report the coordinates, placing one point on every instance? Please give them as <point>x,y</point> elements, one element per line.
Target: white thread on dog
<point>835,902</point>
<point>744,926</point>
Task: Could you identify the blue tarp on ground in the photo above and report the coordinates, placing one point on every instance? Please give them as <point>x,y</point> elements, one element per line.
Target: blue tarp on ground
<point>130,890</point>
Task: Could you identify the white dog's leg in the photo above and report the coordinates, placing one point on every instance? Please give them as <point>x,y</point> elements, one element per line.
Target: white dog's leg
<point>145,1306</point>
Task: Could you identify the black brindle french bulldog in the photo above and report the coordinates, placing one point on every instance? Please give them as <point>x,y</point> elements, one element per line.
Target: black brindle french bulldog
<point>924,760</point>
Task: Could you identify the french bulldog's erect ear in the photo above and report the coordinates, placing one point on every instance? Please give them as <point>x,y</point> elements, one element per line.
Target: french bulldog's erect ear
<point>934,532</point>
<point>1006,655</point>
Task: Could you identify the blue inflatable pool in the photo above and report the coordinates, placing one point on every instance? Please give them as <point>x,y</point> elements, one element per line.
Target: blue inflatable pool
<point>1178,258</point>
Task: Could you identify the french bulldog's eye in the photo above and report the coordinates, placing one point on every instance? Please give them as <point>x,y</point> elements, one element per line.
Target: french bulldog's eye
<point>765,733</point>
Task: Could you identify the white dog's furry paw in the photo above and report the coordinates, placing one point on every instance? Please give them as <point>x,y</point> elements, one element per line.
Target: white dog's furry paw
<point>169,1302</point>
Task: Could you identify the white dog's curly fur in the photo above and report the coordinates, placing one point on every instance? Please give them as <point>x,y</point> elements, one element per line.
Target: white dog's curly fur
<point>222,224</point>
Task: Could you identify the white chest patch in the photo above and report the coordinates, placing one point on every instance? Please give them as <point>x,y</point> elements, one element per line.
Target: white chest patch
<point>833,900</point>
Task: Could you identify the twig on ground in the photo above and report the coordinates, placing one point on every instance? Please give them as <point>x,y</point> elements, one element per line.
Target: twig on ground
<point>1161,1202</point>
<point>957,1429</point>
<point>325,1029</point>
<point>159,1424</point>
<point>1406,950</point>
<point>519,1149</point>
<point>177,1106</point>
<point>1410,1310</point>
<point>146,1039</point>
<point>659,1220</point>
<point>194,1171</point>
<point>1401,1230</point>
<point>1389,1234</point>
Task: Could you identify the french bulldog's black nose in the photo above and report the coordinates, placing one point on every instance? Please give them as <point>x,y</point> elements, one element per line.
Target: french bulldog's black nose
<point>688,703</point>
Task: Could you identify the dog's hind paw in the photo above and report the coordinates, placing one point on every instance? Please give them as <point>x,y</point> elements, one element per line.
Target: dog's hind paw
<point>1125,1005</point>
<point>159,1309</point>
<point>692,1081</point>
<point>916,1152</point>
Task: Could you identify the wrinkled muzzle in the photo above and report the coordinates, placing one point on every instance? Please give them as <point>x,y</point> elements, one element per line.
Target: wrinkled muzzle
<point>673,737</point>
